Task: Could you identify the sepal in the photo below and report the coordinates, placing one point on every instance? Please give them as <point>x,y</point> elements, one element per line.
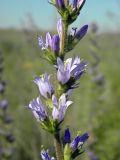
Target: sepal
<point>67,152</point>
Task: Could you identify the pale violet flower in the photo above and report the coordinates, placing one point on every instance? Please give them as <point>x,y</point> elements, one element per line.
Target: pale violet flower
<point>60,107</point>
<point>45,155</point>
<point>38,109</point>
<point>72,67</point>
<point>43,83</point>
<point>51,42</point>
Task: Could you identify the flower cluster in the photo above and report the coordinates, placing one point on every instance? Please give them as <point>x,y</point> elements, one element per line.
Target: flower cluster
<point>74,146</point>
<point>51,106</point>
<point>68,11</point>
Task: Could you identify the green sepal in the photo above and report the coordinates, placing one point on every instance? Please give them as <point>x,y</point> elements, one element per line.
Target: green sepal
<point>76,153</point>
<point>48,125</point>
<point>67,152</point>
<point>50,56</point>
<point>49,103</point>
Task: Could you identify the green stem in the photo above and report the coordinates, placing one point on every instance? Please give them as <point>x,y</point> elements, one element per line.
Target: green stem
<point>64,39</point>
<point>58,147</point>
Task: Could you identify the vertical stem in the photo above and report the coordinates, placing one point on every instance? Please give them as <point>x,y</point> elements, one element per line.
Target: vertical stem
<point>58,147</point>
<point>63,47</point>
<point>64,40</point>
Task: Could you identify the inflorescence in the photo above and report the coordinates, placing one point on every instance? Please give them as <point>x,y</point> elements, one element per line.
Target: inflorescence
<point>51,106</point>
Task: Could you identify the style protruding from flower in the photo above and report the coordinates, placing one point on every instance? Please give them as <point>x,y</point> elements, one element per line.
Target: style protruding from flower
<point>75,36</point>
<point>43,83</point>
<point>81,32</point>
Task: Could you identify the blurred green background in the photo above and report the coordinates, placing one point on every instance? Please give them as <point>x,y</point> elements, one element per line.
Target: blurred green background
<point>96,107</point>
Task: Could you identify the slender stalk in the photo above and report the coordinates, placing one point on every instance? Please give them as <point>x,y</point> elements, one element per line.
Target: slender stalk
<point>58,147</point>
<point>64,39</point>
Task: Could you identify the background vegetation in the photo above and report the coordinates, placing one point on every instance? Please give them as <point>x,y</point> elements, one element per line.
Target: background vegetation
<point>96,109</point>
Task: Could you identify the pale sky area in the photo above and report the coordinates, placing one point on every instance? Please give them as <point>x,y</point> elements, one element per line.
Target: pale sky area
<point>13,13</point>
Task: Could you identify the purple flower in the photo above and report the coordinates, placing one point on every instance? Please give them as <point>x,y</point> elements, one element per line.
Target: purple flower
<point>81,32</point>
<point>63,74</point>
<point>55,43</point>
<point>60,107</point>
<point>38,109</point>
<point>74,143</point>
<point>60,4</point>
<point>67,136</point>
<point>45,155</point>
<point>44,85</point>
<point>52,42</point>
<point>72,67</point>
<point>79,141</point>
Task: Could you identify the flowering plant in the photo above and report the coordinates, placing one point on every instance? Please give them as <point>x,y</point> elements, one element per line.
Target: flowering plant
<point>56,99</point>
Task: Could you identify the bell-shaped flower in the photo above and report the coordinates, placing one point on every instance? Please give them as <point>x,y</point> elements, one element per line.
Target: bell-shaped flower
<point>71,68</point>
<point>60,107</point>
<point>43,83</point>
<point>52,43</point>
<point>38,109</point>
<point>45,155</point>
